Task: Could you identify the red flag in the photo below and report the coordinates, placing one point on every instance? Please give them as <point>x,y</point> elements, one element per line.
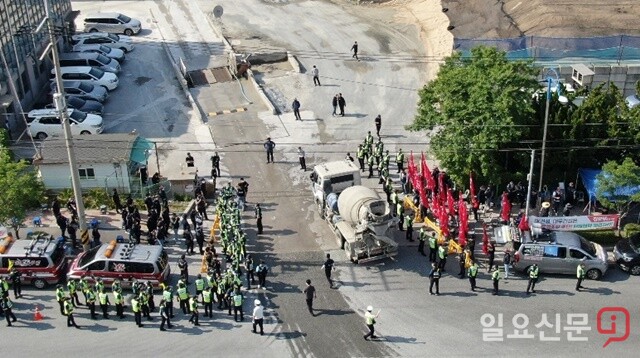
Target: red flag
<point>424,201</point>
<point>435,207</point>
<point>524,224</point>
<point>464,217</point>
<point>485,239</point>
<point>450,203</point>
<point>472,188</point>
<point>444,222</point>
<point>505,211</point>
<point>426,173</point>
<point>442,189</point>
<point>412,171</point>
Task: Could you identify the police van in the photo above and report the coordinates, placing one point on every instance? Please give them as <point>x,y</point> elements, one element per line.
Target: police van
<point>39,258</point>
<point>124,262</point>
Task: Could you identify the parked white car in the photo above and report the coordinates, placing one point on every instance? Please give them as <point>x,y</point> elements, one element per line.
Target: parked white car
<point>110,52</point>
<point>88,74</point>
<point>112,22</point>
<point>121,42</point>
<point>43,123</point>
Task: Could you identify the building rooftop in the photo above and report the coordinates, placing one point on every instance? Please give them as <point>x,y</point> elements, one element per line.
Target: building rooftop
<point>89,149</point>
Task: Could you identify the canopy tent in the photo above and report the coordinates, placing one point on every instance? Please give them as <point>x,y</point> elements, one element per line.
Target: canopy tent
<point>590,182</point>
<point>140,150</point>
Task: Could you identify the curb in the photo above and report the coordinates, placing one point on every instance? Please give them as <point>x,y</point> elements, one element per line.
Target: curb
<point>293,61</point>
<point>261,93</point>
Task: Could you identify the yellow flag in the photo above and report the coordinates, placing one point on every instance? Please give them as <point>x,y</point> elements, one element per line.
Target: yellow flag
<point>10,265</point>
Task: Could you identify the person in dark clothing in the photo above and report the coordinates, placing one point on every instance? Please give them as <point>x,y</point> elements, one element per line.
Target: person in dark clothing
<point>434,279</point>
<point>189,160</point>
<point>200,239</point>
<point>215,165</point>
<point>183,266</point>
<point>188,240</point>
<point>95,234</point>
<point>310,293</point>
<point>334,103</point>
<point>72,207</point>
<point>378,122</point>
<point>116,200</point>
<point>16,282</point>
<point>72,229</point>
<point>354,48</point>
<point>55,207</point>
<point>341,103</point>
<point>269,145</point>
<point>296,109</point>
<point>328,267</point>
<point>491,251</point>
<point>258,211</point>
<point>461,263</point>
<point>62,224</point>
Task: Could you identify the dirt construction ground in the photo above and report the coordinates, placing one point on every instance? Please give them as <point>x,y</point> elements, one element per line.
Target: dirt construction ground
<point>550,18</point>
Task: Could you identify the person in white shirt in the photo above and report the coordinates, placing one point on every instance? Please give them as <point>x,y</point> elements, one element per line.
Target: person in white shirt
<point>315,72</point>
<point>303,163</point>
<point>258,317</point>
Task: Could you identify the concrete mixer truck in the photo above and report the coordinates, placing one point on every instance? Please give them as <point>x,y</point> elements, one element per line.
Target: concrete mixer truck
<point>359,218</point>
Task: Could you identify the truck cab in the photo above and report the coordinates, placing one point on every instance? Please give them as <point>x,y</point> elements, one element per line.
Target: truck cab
<point>332,178</point>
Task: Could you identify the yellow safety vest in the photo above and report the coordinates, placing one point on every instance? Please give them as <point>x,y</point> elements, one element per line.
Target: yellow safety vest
<point>182,293</point>
<point>206,295</point>
<point>473,271</point>
<point>237,300</point>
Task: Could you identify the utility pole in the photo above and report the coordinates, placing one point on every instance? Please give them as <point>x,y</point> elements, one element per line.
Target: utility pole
<point>529,185</point>
<point>61,106</point>
<point>544,133</point>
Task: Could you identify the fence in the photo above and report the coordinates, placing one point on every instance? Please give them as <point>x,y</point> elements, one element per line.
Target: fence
<point>617,48</point>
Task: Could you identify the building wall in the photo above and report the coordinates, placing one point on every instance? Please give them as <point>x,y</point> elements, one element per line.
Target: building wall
<point>21,48</point>
<point>58,177</point>
<point>623,76</point>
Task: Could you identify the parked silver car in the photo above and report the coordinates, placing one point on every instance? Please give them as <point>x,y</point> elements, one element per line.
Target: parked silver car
<point>562,255</point>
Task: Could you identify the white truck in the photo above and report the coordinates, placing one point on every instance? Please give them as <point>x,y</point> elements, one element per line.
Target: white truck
<point>359,218</point>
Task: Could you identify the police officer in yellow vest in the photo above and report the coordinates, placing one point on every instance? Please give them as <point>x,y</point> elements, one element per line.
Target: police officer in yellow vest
<point>72,287</point>
<point>143,298</point>
<point>580,273</point>
<point>400,215</point>
<point>400,160</point>
<point>91,302</point>
<point>433,247</point>
<point>408,225</point>
<point>6,305</point>
<point>442,257</point>
<point>237,300</point>
<point>495,277</point>
<point>167,296</point>
<point>183,297</point>
<point>533,278</point>
<point>193,306</point>
<point>473,273</point>
<point>199,283</point>
<point>68,311</point>
<point>395,199</point>
<point>103,297</point>
<point>83,284</point>
<point>370,320</point>
<point>136,308</point>
<point>371,161</point>
<point>60,298</point>
<point>119,302</point>
<point>207,300</point>
<point>422,237</point>
<point>164,315</point>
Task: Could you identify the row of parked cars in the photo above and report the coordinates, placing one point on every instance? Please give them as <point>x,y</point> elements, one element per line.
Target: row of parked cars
<point>88,71</point>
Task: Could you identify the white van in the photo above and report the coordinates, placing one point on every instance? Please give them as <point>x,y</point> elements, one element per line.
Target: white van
<point>102,38</point>
<point>88,74</point>
<point>91,59</point>
<point>112,22</point>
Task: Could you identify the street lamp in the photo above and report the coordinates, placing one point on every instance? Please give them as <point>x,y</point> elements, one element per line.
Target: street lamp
<point>551,77</point>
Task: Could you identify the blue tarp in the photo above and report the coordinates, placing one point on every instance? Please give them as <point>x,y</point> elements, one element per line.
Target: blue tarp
<point>590,181</point>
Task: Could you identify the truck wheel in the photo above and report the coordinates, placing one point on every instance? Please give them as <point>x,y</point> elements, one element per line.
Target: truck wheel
<point>594,274</point>
<point>39,283</point>
<point>635,270</point>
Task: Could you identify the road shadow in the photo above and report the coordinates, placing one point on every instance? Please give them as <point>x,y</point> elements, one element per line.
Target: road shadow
<point>23,323</point>
<point>352,284</point>
<point>98,328</point>
<point>398,339</point>
<point>321,312</point>
<point>459,294</point>
<point>284,232</point>
<point>192,331</point>
<point>287,335</point>
<point>616,275</point>
<point>603,291</point>
<point>329,85</point>
<point>356,115</point>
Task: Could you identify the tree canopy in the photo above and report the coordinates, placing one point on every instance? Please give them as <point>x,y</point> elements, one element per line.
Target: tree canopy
<point>481,115</point>
<point>20,190</point>
<point>616,176</point>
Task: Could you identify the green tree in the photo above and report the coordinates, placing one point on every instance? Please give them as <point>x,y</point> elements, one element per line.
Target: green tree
<point>475,107</point>
<point>20,190</point>
<point>615,176</point>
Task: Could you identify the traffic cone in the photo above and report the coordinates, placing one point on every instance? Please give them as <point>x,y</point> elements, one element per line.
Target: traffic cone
<point>37,316</point>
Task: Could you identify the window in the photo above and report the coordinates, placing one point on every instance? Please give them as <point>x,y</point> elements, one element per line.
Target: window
<point>87,173</point>
<point>26,261</point>
<point>555,251</point>
<point>575,254</point>
<point>50,120</point>
<point>96,266</point>
<point>130,267</point>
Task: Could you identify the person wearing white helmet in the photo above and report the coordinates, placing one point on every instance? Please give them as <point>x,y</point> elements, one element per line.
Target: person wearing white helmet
<point>370,320</point>
<point>258,317</point>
